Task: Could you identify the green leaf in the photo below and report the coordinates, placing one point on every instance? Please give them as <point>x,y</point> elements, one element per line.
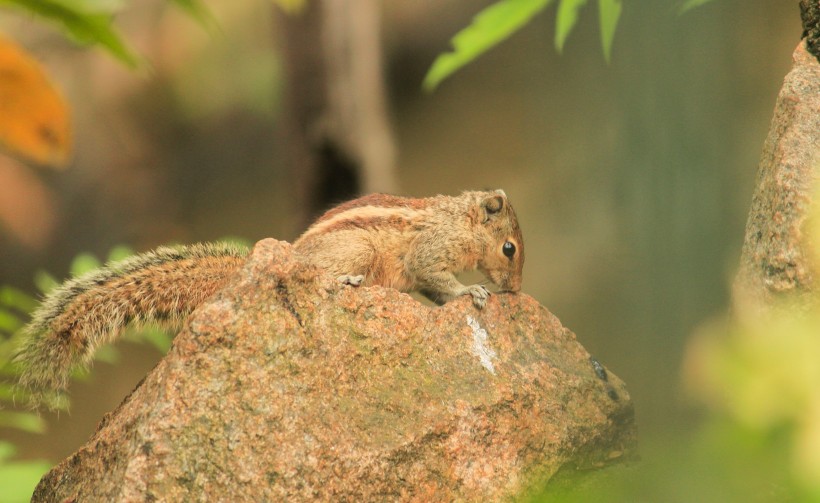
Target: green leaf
<point>489,27</point>
<point>83,263</point>
<point>609,11</point>
<point>120,252</point>
<point>108,354</point>
<point>8,392</point>
<point>109,6</point>
<point>9,322</point>
<point>45,282</point>
<point>17,299</point>
<point>25,421</point>
<point>565,21</point>
<point>691,4</point>
<point>18,479</point>
<point>7,450</point>
<point>199,11</point>
<point>84,27</point>
<point>237,240</point>
<point>157,338</point>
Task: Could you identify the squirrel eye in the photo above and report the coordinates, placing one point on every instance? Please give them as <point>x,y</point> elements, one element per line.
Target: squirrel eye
<point>508,249</point>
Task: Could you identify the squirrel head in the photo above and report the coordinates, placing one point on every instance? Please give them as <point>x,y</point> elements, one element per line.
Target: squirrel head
<point>503,259</point>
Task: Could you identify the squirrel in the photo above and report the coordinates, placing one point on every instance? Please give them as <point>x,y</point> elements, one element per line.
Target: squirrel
<point>403,243</point>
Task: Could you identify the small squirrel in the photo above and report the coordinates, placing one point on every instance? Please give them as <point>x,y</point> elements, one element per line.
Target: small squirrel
<point>403,243</point>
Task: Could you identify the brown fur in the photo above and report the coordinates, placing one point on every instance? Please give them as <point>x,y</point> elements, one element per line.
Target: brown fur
<point>397,242</point>
<point>419,244</point>
<point>375,200</point>
<point>84,313</point>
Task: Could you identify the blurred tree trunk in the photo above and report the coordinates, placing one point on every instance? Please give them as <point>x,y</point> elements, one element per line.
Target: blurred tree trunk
<point>776,257</point>
<point>338,134</point>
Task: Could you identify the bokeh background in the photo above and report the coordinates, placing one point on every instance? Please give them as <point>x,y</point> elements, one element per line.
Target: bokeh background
<point>631,179</point>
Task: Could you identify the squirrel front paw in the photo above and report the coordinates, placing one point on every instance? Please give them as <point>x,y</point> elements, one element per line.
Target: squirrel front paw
<point>479,293</point>
<point>347,279</point>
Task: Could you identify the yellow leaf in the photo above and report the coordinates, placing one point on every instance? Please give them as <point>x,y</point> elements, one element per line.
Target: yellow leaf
<point>34,119</point>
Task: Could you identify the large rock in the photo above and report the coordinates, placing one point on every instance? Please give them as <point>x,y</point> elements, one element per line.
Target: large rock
<point>776,258</point>
<point>286,386</point>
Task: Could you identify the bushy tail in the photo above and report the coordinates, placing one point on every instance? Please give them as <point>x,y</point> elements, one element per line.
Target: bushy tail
<point>82,314</point>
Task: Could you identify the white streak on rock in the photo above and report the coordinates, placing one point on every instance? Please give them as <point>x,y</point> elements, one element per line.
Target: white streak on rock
<point>481,347</point>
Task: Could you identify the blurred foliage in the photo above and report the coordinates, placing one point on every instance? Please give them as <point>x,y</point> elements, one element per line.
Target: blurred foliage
<point>689,4</point>
<point>292,6</point>
<point>35,121</point>
<point>15,305</point>
<point>85,21</point>
<point>489,27</point>
<point>90,22</point>
<point>754,374</point>
<point>609,12</point>
<point>199,11</point>
<point>18,478</point>
<point>565,21</point>
<point>757,373</point>
<point>498,21</point>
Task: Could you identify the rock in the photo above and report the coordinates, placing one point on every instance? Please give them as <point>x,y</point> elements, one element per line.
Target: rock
<point>810,16</point>
<point>775,257</point>
<point>286,386</point>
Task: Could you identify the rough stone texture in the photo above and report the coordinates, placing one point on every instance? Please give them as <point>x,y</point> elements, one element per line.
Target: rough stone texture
<point>774,259</point>
<point>286,386</point>
<point>810,15</point>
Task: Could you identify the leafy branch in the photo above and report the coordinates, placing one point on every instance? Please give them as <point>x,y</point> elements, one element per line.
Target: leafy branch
<point>499,21</point>
<point>89,22</point>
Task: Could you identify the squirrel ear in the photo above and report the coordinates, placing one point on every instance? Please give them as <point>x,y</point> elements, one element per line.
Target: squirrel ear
<point>492,205</point>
